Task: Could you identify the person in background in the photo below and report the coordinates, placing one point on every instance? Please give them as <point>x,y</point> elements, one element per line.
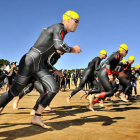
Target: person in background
<point>68,77</point>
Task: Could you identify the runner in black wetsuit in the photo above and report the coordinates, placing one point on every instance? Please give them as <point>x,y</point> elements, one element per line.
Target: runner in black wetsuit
<point>125,84</point>
<point>106,73</point>
<point>32,63</point>
<point>88,75</point>
<point>33,83</point>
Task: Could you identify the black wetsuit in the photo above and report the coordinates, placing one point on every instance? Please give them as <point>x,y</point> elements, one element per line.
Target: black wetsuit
<point>108,68</point>
<point>125,84</point>
<point>32,63</point>
<point>28,88</point>
<point>88,75</point>
<point>33,83</point>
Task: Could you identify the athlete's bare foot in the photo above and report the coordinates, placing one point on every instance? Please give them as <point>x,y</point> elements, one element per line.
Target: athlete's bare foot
<point>68,100</point>
<point>1,109</point>
<point>32,113</point>
<point>36,120</point>
<point>90,108</point>
<point>102,105</point>
<point>48,109</point>
<point>90,98</point>
<point>15,105</point>
<point>84,94</point>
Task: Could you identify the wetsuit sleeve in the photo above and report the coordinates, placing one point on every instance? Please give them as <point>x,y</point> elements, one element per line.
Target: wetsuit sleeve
<point>97,65</point>
<point>110,60</point>
<point>58,37</point>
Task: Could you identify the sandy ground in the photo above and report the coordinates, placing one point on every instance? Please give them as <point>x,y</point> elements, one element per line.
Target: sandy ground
<point>118,121</point>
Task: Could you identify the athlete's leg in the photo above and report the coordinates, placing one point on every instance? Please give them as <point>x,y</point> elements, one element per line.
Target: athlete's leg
<point>124,81</point>
<point>96,88</point>
<point>104,80</point>
<point>20,81</point>
<point>39,87</point>
<point>49,83</point>
<point>25,91</point>
<point>81,85</point>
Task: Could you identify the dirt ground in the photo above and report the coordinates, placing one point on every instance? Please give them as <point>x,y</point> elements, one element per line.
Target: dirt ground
<point>118,121</point>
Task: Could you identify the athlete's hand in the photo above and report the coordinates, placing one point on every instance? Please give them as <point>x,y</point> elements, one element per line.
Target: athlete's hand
<point>76,49</point>
<point>60,52</point>
<point>58,73</point>
<point>110,78</point>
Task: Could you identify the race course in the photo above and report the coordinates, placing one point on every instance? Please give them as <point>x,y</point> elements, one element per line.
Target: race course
<point>118,121</point>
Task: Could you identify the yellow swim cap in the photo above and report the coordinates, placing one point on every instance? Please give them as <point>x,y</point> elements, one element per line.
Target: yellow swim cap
<point>123,47</point>
<point>103,52</point>
<point>70,14</point>
<point>137,66</point>
<point>123,61</point>
<point>131,58</point>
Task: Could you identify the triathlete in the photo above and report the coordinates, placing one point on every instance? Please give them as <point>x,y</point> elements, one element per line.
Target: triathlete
<point>107,72</point>
<point>32,63</point>
<point>125,84</point>
<point>88,75</point>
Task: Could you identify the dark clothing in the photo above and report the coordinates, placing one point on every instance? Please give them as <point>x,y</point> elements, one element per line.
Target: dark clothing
<point>32,63</point>
<point>68,76</point>
<point>75,78</point>
<point>108,68</point>
<point>57,79</point>
<point>125,84</point>
<point>88,75</point>
<point>62,81</point>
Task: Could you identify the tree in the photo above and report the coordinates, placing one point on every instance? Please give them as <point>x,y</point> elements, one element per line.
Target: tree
<point>4,62</point>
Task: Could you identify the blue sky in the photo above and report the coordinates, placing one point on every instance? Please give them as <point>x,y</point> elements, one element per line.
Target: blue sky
<point>104,24</point>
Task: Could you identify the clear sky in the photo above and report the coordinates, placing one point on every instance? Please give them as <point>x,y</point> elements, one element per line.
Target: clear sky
<point>104,24</point>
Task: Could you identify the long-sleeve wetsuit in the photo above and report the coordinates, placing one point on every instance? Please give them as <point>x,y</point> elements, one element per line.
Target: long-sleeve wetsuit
<point>32,63</point>
<point>88,75</point>
<point>108,68</point>
<point>125,84</point>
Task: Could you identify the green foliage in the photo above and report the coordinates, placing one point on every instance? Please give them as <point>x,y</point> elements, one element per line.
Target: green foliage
<point>2,62</point>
